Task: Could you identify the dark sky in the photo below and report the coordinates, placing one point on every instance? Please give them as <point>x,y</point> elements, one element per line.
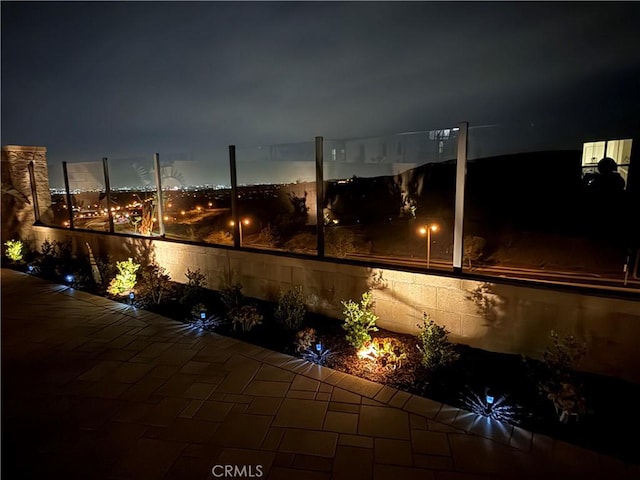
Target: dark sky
<point>91,79</point>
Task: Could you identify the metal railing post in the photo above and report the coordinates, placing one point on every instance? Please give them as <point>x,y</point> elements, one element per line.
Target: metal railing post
<point>107,191</point>
<point>34,192</point>
<point>320,194</point>
<point>65,175</point>
<point>461,171</point>
<point>160,207</point>
<point>234,196</point>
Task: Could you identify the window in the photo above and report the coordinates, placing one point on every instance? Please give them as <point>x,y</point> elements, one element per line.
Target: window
<point>619,150</point>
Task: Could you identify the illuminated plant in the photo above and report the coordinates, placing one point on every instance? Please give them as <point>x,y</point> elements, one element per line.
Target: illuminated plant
<point>125,279</point>
<point>290,310</point>
<point>14,250</point>
<point>387,352</point>
<point>359,320</point>
<point>433,342</point>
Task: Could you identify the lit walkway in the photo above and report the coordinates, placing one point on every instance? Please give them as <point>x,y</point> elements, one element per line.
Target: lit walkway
<point>94,389</point>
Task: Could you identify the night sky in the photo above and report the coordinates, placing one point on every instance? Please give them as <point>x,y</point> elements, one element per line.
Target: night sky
<point>123,80</point>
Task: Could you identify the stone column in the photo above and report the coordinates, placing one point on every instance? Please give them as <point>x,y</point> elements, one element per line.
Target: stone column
<point>18,203</point>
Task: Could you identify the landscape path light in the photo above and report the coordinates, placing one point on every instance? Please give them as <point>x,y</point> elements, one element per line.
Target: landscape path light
<point>426,230</point>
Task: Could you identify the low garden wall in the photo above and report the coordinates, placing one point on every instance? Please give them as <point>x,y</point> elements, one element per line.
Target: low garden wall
<point>499,317</point>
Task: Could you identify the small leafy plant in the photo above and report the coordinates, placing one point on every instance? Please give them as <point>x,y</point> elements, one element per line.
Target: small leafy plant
<point>290,310</point>
<point>193,291</point>
<point>305,339</point>
<point>433,342</point>
<point>240,314</point>
<point>126,278</point>
<point>359,320</point>
<point>15,249</point>
<point>246,317</point>
<point>559,381</point>
<point>389,353</point>
<point>232,298</point>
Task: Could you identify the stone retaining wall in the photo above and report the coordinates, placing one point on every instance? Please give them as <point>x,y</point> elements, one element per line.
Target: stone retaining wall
<point>17,200</point>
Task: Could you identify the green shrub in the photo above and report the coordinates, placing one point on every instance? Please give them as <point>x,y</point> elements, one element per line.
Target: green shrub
<point>433,342</point>
<point>193,291</point>
<point>268,236</point>
<point>155,284</point>
<point>246,317</point>
<point>15,249</point>
<point>232,298</point>
<point>339,242</point>
<point>125,279</point>
<point>290,310</point>
<point>564,354</point>
<point>559,381</point>
<point>473,248</point>
<point>53,257</point>
<point>359,320</point>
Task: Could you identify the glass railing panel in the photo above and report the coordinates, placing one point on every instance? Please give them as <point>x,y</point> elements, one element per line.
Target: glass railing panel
<point>277,197</point>
<point>391,198</point>
<point>57,211</point>
<point>133,194</point>
<point>196,196</point>
<point>533,208</point>
<point>88,198</point>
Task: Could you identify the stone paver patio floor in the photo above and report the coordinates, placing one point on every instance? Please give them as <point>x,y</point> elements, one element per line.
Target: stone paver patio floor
<point>92,388</point>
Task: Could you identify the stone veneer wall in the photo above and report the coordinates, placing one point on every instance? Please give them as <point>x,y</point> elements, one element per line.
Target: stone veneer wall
<point>17,214</point>
<point>493,316</point>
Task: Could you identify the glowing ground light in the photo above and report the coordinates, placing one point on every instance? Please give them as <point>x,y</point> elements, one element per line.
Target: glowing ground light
<point>319,346</point>
<point>368,352</point>
<point>493,406</point>
<point>203,315</point>
<point>69,278</point>
<point>30,268</point>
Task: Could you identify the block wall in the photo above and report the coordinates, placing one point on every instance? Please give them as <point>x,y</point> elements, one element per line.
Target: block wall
<point>489,315</point>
